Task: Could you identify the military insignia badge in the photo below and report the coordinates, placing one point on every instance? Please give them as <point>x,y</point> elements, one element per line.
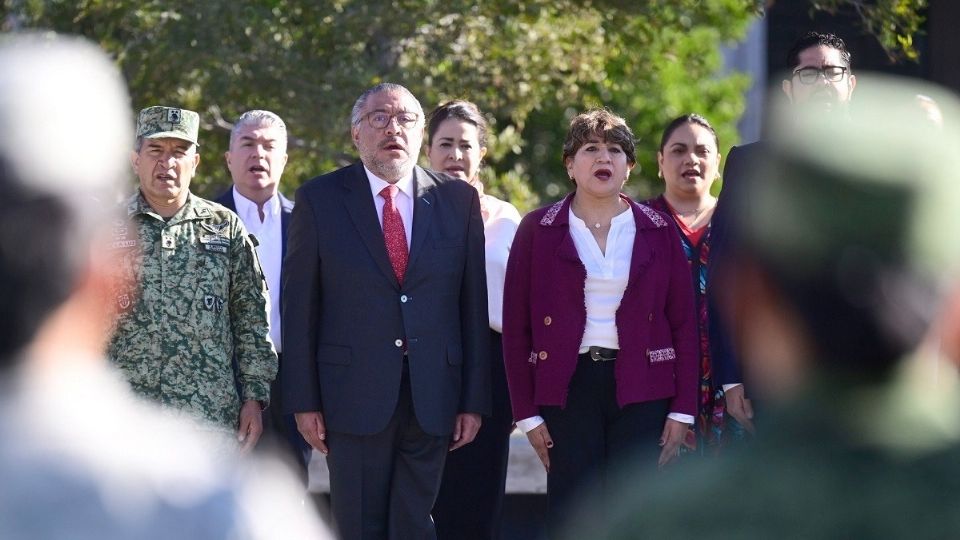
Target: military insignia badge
<point>217,240</point>
<point>173,116</point>
<point>213,303</point>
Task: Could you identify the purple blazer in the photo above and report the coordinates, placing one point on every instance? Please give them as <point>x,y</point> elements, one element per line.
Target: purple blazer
<point>544,315</point>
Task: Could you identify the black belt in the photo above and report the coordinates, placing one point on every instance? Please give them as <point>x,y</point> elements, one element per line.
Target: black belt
<point>602,354</point>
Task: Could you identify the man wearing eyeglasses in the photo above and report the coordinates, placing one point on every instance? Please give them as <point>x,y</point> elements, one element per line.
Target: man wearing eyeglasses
<point>819,82</point>
<point>820,77</point>
<point>385,322</point>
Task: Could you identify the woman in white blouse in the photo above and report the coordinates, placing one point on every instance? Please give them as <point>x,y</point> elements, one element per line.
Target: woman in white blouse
<point>470,501</point>
<point>599,329</point>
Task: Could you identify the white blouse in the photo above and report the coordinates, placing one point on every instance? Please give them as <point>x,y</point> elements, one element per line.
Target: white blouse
<point>500,222</point>
<point>607,275</point>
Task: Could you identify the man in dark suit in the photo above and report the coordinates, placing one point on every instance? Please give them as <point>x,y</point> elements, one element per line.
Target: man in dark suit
<point>820,83</point>
<point>257,156</point>
<point>385,346</point>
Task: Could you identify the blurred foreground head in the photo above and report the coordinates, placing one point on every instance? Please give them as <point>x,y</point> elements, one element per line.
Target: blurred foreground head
<point>65,132</point>
<point>843,239</point>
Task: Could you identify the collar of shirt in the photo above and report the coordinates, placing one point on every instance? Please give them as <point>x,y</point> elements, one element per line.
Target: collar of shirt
<point>377,184</point>
<point>248,210</point>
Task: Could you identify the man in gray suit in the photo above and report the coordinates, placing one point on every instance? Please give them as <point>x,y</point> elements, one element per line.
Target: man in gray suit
<point>385,360</point>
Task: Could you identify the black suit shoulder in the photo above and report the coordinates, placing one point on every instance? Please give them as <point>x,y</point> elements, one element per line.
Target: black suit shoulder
<point>226,199</point>
<point>333,180</point>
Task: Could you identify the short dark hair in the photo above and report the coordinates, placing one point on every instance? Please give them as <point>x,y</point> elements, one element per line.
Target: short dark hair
<point>37,271</point>
<point>462,110</point>
<point>603,123</point>
<point>816,39</point>
<point>691,118</point>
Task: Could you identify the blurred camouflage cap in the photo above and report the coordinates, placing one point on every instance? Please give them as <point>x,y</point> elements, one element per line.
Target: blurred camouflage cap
<point>158,121</point>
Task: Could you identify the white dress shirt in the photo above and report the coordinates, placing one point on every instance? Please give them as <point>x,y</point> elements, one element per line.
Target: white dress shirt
<point>403,200</point>
<point>500,222</point>
<point>269,233</point>
<point>607,276</point>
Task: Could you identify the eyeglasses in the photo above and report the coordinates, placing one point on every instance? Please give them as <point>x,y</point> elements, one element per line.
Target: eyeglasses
<point>380,120</point>
<point>808,75</point>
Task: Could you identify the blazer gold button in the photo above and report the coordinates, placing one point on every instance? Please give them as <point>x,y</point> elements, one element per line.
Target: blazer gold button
<point>542,355</point>
<point>547,320</point>
<point>398,343</point>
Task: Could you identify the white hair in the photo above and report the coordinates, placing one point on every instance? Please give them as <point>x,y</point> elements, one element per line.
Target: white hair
<point>259,117</point>
<point>355,114</point>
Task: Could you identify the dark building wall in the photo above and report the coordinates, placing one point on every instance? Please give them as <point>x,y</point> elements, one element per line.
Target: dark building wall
<point>787,20</point>
<point>943,43</point>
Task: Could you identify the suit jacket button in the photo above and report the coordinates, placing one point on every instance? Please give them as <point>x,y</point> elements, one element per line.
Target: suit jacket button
<point>403,298</point>
<point>542,355</point>
<point>650,318</point>
<point>547,320</point>
<point>398,343</point>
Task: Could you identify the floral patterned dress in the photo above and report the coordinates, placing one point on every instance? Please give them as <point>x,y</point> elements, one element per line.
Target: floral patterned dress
<point>713,428</point>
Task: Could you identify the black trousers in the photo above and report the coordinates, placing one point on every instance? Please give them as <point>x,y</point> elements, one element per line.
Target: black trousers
<point>470,503</point>
<point>383,486</point>
<point>593,438</point>
<point>280,436</point>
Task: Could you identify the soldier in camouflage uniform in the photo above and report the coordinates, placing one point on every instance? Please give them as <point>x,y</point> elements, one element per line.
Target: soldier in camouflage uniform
<point>201,297</point>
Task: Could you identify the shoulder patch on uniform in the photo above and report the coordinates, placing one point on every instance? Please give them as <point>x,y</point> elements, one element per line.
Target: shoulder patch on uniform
<point>551,214</point>
<point>217,241</point>
<point>654,216</point>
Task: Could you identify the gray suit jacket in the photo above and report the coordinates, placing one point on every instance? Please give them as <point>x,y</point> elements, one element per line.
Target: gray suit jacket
<point>344,311</point>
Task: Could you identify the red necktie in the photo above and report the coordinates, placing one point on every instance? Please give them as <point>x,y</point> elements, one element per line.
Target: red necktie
<point>394,235</point>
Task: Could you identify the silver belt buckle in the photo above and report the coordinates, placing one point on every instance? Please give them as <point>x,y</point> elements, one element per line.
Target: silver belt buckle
<point>596,356</point>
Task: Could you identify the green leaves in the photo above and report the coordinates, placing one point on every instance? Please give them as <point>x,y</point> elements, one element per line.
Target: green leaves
<point>530,66</point>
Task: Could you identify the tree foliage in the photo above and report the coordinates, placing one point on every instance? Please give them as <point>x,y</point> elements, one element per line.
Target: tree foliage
<point>529,65</point>
<point>894,23</point>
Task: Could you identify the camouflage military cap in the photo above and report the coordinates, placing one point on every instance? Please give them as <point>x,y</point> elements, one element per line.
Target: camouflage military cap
<point>158,121</point>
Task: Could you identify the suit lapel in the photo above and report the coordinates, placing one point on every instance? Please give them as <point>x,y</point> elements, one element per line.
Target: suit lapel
<point>363,213</point>
<point>422,212</point>
<point>286,207</point>
<point>641,248</point>
<point>559,219</point>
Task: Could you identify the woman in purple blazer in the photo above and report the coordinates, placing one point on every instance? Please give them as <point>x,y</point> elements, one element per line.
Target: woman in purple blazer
<point>599,327</point>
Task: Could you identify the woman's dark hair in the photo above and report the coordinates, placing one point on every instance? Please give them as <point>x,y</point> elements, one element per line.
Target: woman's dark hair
<point>692,118</point>
<point>610,127</point>
<point>459,109</point>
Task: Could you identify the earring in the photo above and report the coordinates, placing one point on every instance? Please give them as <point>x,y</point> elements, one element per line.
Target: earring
<point>659,173</point>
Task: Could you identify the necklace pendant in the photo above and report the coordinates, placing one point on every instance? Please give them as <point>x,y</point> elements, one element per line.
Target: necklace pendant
<point>596,225</point>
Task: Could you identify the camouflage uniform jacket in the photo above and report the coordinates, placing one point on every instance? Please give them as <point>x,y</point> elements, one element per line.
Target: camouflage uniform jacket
<point>200,300</point>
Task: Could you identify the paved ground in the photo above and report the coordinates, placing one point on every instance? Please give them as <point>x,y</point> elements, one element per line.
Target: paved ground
<point>525,474</point>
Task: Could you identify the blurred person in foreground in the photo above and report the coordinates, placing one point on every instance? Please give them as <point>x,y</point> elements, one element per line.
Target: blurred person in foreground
<point>599,329</point>
<point>194,334</point>
<point>819,82</point>
<point>840,270</point>
<point>256,160</point>
<point>470,502</point>
<point>689,163</point>
<point>80,456</point>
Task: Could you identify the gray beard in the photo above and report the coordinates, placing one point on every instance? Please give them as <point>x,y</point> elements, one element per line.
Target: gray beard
<point>391,170</point>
